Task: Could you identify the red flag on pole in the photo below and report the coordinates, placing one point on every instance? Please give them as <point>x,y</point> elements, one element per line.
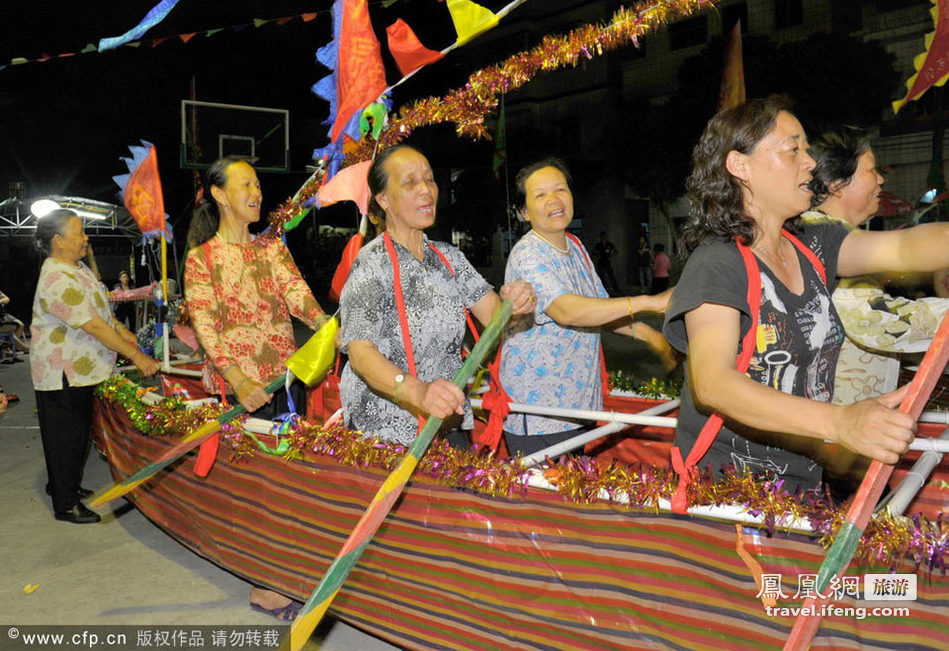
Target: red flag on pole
<point>407,50</point>
<point>345,264</point>
<point>933,64</point>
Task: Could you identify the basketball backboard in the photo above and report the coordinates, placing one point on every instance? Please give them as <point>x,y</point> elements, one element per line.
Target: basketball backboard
<point>211,130</point>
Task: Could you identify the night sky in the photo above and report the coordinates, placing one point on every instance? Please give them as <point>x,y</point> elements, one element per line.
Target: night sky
<point>65,122</point>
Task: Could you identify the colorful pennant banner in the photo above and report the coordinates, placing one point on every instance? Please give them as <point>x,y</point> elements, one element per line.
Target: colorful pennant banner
<point>155,42</point>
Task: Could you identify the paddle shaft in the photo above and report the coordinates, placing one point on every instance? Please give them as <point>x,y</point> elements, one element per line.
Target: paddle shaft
<point>177,451</point>
<point>851,531</point>
<point>322,596</point>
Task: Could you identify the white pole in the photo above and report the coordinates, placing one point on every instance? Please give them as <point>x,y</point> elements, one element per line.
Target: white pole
<point>906,490</point>
<point>592,435</point>
<point>641,418</point>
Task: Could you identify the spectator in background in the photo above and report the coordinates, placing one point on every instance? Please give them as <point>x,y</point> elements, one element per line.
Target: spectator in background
<point>602,252</point>
<point>644,263</point>
<point>125,310</point>
<point>660,270</point>
<point>9,323</point>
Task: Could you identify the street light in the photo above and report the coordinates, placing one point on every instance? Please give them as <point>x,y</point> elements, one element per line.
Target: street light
<point>43,207</point>
<point>87,208</point>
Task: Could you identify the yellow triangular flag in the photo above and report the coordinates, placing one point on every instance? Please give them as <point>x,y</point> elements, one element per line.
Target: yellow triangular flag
<point>470,18</point>
<point>311,362</point>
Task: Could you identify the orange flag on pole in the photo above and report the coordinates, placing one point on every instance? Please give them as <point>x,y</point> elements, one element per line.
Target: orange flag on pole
<point>141,189</point>
<point>358,76</point>
<point>732,91</point>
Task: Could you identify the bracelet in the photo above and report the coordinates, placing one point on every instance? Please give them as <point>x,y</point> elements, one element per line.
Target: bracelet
<point>629,303</point>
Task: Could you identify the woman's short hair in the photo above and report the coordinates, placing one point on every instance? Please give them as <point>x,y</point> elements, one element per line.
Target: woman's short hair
<point>836,154</point>
<point>520,181</point>
<point>50,225</point>
<point>377,179</point>
<point>715,196</point>
<point>206,216</point>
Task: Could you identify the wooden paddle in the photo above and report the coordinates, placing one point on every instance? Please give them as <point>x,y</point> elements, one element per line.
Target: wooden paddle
<point>851,531</point>
<point>182,447</point>
<point>321,597</point>
<point>309,363</point>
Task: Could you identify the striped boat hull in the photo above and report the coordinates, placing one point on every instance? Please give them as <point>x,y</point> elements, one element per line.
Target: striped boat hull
<point>457,569</point>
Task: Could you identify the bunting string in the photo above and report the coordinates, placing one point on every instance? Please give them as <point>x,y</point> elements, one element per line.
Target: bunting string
<point>91,48</point>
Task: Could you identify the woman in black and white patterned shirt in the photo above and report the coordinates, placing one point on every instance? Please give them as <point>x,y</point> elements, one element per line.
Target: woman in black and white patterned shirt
<point>396,373</point>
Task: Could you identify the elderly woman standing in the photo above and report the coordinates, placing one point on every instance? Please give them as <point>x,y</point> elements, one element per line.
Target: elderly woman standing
<point>75,339</point>
<point>403,310</point>
<point>241,289</point>
<point>751,174</point>
<point>552,358</point>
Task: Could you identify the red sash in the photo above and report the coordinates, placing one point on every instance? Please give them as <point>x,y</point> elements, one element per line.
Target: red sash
<point>687,469</point>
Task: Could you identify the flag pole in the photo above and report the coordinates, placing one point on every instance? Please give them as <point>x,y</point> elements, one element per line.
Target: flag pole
<point>166,356</point>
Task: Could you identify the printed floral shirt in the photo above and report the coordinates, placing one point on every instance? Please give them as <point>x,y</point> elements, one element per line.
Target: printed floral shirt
<point>435,302</point>
<point>67,298</point>
<point>241,309</point>
<point>542,362</point>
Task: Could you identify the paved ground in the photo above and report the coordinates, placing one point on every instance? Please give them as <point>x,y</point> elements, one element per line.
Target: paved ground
<point>126,570</point>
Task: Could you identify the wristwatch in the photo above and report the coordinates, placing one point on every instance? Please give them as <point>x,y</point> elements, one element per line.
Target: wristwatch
<point>398,382</point>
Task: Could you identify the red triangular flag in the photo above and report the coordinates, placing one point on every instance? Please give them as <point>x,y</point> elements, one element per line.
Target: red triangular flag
<point>345,264</point>
<point>407,50</point>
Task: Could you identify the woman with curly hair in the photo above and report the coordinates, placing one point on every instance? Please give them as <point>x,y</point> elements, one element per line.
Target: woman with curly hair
<point>753,292</point>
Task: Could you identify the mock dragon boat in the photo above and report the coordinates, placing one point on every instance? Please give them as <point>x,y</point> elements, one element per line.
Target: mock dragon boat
<point>480,553</point>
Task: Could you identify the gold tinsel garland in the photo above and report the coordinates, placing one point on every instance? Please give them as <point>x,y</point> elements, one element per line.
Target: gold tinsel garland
<point>887,540</point>
<point>468,106</point>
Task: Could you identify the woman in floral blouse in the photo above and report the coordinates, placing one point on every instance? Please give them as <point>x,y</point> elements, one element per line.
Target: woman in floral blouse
<point>75,341</point>
<point>241,289</point>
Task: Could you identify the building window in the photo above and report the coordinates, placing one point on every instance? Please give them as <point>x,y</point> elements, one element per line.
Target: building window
<point>687,33</point>
<point>788,13</point>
